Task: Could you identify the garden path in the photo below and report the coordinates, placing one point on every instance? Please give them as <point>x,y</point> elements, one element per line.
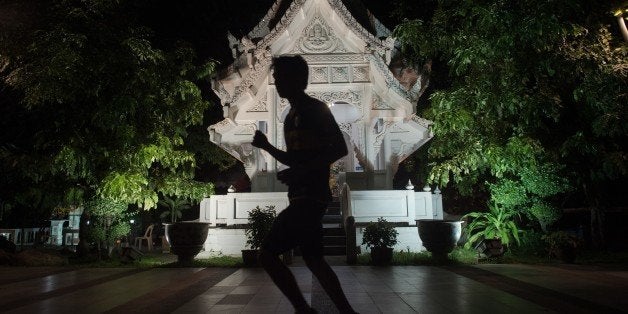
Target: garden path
<point>398,289</point>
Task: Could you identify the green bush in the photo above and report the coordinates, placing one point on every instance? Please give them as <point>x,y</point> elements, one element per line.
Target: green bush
<point>559,240</point>
<point>109,221</point>
<point>219,261</point>
<point>532,244</point>
<point>260,222</point>
<point>404,258</point>
<point>175,207</point>
<point>545,214</point>
<point>380,234</point>
<point>497,223</point>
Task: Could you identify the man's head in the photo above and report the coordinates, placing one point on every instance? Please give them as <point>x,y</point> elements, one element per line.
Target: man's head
<point>291,74</point>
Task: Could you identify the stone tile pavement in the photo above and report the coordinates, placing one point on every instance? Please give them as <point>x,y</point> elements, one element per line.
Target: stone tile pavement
<point>400,289</point>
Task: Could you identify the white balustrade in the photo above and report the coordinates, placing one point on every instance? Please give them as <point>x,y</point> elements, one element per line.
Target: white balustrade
<point>225,212</point>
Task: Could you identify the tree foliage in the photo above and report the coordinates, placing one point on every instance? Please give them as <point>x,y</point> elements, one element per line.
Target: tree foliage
<point>175,207</point>
<point>497,223</point>
<point>109,222</point>
<point>259,224</point>
<point>111,109</point>
<point>380,234</point>
<point>534,102</point>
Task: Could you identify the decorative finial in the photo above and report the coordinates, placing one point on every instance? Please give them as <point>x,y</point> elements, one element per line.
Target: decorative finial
<point>427,188</point>
<point>437,190</point>
<point>231,189</point>
<point>409,186</point>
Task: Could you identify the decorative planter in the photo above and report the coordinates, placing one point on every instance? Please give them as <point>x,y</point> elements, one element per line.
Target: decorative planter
<point>165,246</point>
<point>439,236</point>
<point>186,238</point>
<point>381,255</point>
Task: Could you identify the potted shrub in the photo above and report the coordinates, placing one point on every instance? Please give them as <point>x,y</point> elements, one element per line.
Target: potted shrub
<point>185,239</point>
<point>439,236</point>
<point>260,222</point>
<point>174,207</point>
<point>174,211</point>
<point>562,245</point>
<point>380,237</point>
<point>492,228</point>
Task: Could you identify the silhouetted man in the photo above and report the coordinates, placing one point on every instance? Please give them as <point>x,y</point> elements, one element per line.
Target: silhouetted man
<point>313,143</point>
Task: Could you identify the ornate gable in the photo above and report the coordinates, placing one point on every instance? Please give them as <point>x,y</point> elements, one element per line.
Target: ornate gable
<point>349,71</point>
<point>318,37</point>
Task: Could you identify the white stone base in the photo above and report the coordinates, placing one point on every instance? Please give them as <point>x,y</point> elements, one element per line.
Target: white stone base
<point>408,239</point>
<point>224,242</point>
<point>232,241</point>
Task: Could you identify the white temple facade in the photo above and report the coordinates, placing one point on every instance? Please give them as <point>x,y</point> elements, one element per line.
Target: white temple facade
<point>349,70</point>
<point>352,68</point>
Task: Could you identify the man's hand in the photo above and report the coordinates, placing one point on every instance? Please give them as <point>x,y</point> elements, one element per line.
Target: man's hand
<point>260,140</point>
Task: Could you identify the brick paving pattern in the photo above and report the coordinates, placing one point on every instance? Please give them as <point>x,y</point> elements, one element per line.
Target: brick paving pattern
<point>399,289</point>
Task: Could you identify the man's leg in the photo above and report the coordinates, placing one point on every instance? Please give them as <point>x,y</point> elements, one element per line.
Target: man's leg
<point>284,279</point>
<point>329,281</point>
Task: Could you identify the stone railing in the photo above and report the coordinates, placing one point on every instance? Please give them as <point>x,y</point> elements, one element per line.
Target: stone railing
<point>233,208</point>
<point>229,213</point>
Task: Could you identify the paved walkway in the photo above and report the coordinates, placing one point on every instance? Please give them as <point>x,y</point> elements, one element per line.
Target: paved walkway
<point>401,289</point>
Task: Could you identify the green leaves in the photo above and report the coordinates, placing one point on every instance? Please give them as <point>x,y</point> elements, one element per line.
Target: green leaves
<point>117,105</point>
<point>131,188</point>
<point>143,51</point>
<point>259,224</point>
<point>175,206</point>
<point>72,163</point>
<point>109,220</point>
<point>530,101</point>
<point>380,234</point>
<point>498,223</point>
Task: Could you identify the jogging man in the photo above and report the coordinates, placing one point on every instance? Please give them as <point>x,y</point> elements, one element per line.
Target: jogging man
<point>313,142</point>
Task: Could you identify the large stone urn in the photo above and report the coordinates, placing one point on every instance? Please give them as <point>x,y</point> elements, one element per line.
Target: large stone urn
<point>439,236</point>
<point>186,238</point>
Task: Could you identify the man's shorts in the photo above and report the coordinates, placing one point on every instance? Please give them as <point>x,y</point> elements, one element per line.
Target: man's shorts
<point>298,225</point>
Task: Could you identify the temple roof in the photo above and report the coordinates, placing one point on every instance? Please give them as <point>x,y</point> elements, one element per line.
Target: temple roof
<point>350,69</point>
<point>367,33</point>
<point>351,10</point>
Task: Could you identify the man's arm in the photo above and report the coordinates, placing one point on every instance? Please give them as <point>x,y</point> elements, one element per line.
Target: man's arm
<point>261,141</point>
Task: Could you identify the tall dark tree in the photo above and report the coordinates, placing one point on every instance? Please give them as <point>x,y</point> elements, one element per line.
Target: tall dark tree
<point>98,107</point>
<point>534,102</point>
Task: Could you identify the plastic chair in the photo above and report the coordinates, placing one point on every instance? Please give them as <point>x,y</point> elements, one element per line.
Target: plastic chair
<point>148,236</point>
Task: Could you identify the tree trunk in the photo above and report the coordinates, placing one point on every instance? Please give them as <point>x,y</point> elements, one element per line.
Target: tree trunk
<point>597,227</point>
<point>82,248</point>
<point>593,195</point>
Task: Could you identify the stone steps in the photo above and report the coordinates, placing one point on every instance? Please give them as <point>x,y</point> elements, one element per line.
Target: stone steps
<point>334,236</point>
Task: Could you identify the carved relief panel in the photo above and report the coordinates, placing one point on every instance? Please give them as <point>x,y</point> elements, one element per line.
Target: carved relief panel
<point>261,105</point>
<point>340,74</point>
<point>319,74</point>
<point>318,37</point>
<point>361,74</point>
